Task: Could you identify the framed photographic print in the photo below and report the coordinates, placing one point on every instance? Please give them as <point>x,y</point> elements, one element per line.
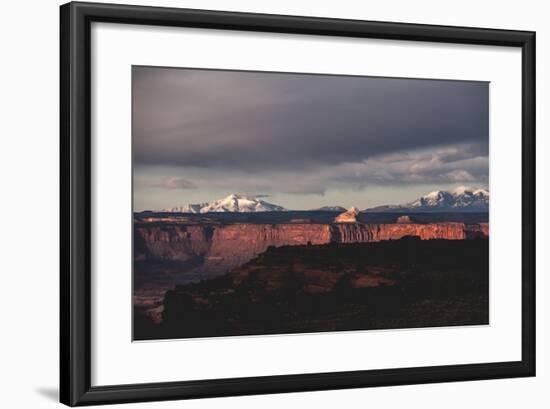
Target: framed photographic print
<point>263,203</point>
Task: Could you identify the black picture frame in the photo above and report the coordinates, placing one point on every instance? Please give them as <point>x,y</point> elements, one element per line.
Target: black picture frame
<point>76,198</point>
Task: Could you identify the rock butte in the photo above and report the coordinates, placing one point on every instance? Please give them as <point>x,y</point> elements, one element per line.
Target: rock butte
<point>349,216</point>
<point>221,248</point>
<point>404,219</point>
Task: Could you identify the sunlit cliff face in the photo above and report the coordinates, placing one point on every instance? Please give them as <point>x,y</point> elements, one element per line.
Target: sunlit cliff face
<point>221,248</point>
<point>349,216</point>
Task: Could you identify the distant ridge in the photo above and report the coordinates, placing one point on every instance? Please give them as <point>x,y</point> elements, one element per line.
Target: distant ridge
<point>231,204</point>
<point>329,209</point>
<point>461,199</point>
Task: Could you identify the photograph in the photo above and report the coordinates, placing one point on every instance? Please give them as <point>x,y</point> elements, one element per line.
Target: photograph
<point>256,203</point>
<point>265,204</point>
<point>284,203</point>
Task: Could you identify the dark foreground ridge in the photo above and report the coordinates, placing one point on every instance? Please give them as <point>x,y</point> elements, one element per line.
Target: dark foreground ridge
<point>407,283</point>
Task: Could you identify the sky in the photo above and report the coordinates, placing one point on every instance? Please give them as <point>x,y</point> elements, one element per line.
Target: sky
<point>303,141</point>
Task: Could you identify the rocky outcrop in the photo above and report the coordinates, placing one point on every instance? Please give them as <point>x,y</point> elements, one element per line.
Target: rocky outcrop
<point>404,219</point>
<point>477,230</point>
<point>172,242</point>
<point>224,247</point>
<point>349,216</point>
<point>334,287</point>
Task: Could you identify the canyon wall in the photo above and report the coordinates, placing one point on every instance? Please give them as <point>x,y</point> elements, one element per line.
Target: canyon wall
<point>171,242</point>
<point>236,244</point>
<point>224,247</point>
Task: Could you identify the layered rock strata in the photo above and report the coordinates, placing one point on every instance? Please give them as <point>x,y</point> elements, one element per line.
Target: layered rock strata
<point>224,247</point>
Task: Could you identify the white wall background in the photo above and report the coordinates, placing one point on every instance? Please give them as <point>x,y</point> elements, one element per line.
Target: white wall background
<point>29,203</point>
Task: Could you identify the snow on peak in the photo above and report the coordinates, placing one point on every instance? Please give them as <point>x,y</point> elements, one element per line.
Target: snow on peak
<point>434,195</point>
<point>233,203</point>
<point>461,190</point>
<point>481,192</point>
<point>461,198</point>
<point>464,190</point>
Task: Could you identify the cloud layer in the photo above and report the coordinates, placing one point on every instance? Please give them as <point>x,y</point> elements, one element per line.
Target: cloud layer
<point>304,134</point>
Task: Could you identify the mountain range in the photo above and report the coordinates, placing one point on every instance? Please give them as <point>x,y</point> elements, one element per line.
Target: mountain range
<point>231,204</point>
<point>330,209</point>
<point>461,199</point>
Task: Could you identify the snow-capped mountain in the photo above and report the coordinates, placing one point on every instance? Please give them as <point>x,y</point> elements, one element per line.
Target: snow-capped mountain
<point>232,203</point>
<point>464,199</point>
<point>330,209</point>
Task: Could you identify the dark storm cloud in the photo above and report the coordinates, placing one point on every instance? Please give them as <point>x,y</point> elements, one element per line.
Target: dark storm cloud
<point>260,122</point>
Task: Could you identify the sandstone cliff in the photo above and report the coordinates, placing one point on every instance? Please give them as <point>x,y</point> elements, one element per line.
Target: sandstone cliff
<point>234,245</point>
<point>358,232</point>
<point>171,242</point>
<point>221,248</point>
<point>349,216</point>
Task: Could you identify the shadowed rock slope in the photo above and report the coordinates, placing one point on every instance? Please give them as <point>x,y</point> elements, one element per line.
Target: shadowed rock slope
<point>332,287</point>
